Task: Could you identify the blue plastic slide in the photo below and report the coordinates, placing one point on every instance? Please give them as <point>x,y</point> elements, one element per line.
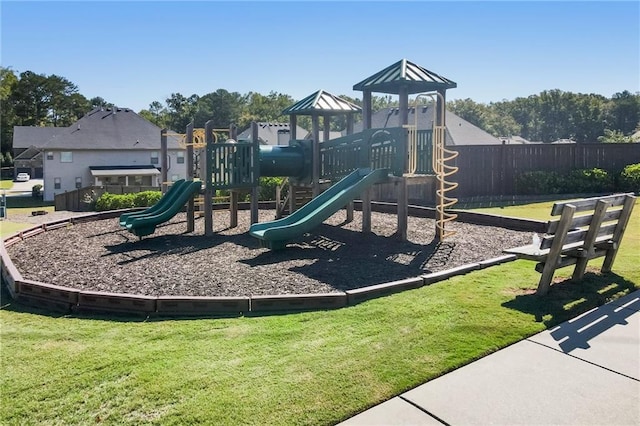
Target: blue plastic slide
<point>146,224</point>
<point>275,234</point>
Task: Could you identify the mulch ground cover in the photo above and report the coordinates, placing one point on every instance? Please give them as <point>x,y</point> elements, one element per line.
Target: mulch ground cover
<point>336,256</point>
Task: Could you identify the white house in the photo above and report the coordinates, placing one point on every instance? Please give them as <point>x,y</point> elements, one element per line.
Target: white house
<point>106,146</point>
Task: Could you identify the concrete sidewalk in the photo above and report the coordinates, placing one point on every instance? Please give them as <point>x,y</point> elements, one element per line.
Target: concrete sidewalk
<point>583,372</point>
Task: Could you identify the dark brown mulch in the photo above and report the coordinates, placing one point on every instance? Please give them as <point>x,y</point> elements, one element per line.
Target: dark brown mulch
<point>101,256</point>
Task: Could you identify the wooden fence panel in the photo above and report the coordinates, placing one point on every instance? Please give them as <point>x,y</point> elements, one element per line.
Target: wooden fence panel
<point>72,200</point>
<point>490,170</point>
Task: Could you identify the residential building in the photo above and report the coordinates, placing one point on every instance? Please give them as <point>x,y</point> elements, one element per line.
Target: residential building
<point>106,146</point>
<point>273,133</point>
<point>459,131</point>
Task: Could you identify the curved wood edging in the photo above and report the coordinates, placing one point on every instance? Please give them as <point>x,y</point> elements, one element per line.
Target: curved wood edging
<point>67,300</point>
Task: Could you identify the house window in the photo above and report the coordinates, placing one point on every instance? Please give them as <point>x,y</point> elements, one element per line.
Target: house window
<point>78,182</point>
<point>66,157</point>
<point>49,155</point>
<point>57,183</point>
<point>155,157</point>
<point>180,157</point>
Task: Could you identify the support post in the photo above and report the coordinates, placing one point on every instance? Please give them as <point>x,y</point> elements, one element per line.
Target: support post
<point>366,109</point>
<point>440,117</point>
<point>191,216</point>
<point>315,170</point>
<point>366,211</point>
<point>403,105</point>
<point>403,209</point>
<point>233,195</point>
<point>326,122</point>
<point>163,161</point>
<point>293,126</point>
<point>590,239</point>
<point>233,209</point>
<point>206,168</point>
<point>350,203</point>
<point>623,220</point>
<point>292,199</point>
<point>254,189</point>
<point>349,124</point>
<point>555,252</point>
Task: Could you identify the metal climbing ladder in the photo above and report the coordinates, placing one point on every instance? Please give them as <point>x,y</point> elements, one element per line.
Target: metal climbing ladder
<point>442,168</point>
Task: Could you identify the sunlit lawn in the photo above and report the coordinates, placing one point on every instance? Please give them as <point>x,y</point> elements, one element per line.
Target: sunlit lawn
<point>290,369</point>
<point>6,184</point>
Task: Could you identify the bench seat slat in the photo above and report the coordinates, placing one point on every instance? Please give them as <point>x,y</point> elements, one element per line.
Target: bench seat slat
<point>540,255</point>
<point>584,220</point>
<point>570,260</point>
<point>579,235</point>
<point>588,203</point>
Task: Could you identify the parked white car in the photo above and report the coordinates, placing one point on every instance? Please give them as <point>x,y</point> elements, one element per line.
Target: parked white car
<point>23,177</point>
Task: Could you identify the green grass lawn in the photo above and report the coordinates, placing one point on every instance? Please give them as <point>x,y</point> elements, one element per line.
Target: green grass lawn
<point>8,227</point>
<point>292,369</point>
<point>6,184</point>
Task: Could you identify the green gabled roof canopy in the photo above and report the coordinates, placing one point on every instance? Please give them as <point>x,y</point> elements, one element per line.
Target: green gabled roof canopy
<point>404,73</point>
<point>322,102</point>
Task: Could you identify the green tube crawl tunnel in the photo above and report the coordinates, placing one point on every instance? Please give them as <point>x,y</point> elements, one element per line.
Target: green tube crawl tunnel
<point>281,160</point>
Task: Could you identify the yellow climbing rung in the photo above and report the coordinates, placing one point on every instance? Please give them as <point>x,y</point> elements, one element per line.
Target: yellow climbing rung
<point>442,168</point>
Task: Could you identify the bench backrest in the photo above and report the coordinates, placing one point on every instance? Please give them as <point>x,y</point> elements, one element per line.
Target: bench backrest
<point>606,219</point>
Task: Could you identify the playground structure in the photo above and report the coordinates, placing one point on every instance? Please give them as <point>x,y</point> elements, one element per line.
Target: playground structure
<point>348,165</point>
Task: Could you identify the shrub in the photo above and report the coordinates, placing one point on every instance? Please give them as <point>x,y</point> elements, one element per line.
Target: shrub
<point>587,180</point>
<point>36,191</point>
<point>268,185</point>
<point>630,178</point>
<point>146,198</point>
<point>574,182</point>
<point>538,182</point>
<point>109,201</point>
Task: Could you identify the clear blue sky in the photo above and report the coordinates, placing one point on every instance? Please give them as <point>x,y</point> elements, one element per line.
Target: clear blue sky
<point>133,53</point>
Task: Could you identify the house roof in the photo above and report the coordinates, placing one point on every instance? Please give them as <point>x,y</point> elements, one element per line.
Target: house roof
<point>110,128</point>
<point>459,131</point>
<point>404,73</point>
<point>28,154</point>
<point>28,136</point>
<point>332,135</point>
<point>322,102</point>
<point>268,132</point>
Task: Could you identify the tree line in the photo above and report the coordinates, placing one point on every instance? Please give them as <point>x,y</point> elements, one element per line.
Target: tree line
<point>31,99</point>
<point>554,114</point>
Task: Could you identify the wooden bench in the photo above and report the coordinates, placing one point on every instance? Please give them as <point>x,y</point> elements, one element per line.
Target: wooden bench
<point>576,239</point>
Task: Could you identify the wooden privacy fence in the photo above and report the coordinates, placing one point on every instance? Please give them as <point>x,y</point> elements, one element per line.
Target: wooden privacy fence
<point>79,199</point>
<point>491,170</point>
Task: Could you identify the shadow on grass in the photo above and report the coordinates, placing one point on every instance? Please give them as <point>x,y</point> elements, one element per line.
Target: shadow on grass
<point>568,299</point>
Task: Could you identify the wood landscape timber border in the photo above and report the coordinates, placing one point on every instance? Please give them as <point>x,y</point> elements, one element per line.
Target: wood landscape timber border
<point>58,298</point>
<point>200,305</point>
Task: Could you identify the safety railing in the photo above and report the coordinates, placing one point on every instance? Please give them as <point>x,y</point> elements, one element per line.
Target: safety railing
<point>232,165</point>
<point>374,148</point>
<point>424,152</point>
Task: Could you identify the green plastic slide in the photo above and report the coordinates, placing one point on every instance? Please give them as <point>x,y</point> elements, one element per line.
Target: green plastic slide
<point>275,234</point>
<point>146,225</point>
<point>162,203</point>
